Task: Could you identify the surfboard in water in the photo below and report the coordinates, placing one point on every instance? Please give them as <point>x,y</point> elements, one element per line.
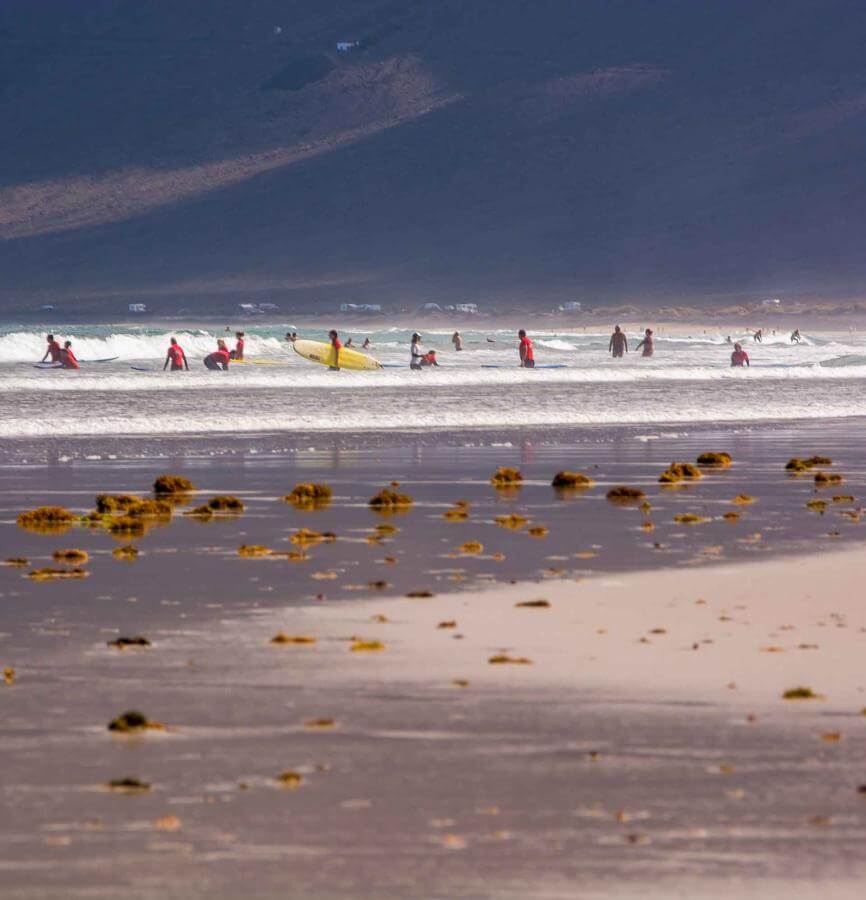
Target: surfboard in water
<point>323,354</point>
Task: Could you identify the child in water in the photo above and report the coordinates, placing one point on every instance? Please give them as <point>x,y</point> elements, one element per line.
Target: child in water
<point>646,343</point>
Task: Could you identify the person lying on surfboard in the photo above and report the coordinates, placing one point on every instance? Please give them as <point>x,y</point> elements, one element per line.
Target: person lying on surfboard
<point>176,357</point>
<point>67,357</point>
<point>219,359</point>
<point>527,354</point>
<point>337,344</point>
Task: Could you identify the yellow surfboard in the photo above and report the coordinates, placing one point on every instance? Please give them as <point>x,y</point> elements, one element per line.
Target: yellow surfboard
<point>323,354</point>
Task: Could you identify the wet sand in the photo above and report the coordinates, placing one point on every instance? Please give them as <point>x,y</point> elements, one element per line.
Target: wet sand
<point>644,749</point>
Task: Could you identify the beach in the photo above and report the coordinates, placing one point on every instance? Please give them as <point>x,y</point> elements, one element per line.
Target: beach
<point>552,696</point>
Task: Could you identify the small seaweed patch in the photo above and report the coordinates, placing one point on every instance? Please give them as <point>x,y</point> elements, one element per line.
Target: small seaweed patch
<point>533,604</point>
<point>420,594</point>
<point>319,723</point>
<point>389,501</point>
<point>743,500</point>
<point>506,477</point>
<point>624,494</point>
<point>503,659</point>
<point>386,529</point>
<point>290,779</point>
<point>825,479</point>
<point>843,498</point>
<point>281,638</point>
<point>512,521</point>
<point>471,548</point>
<point>17,562</point>
<point>680,471</point>
<point>569,480</point>
<point>538,531</point>
<point>309,495</point>
<point>71,556</point>
<point>306,537</point>
<point>226,503</point>
<point>128,785</point>
<point>456,514</point>
<point>731,516</point>
<point>112,503</point>
<point>9,676</point>
<point>690,519</point>
<point>49,574</point>
<point>647,526</point>
<point>253,551</point>
<point>361,646</point>
<point>448,623</point>
<point>124,527</point>
<point>127,553</point>
<point>47,520</point>
<point>715,460</point>
<point>173,484</point>
<point>133,721</point>
<point>816,505</point>
<point>800,693</point>
<point>122,643</point>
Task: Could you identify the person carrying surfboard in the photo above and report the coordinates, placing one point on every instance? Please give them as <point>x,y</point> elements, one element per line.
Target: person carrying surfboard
<point>527,354</point>
<point>337,344</point>
<point>219,359</point>
<point>416,356</point>
<point>53,350</point>
<point>67,357</point>
<point>176,357</point>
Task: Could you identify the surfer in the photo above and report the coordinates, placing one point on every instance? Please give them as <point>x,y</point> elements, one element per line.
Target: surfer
<point>618,343</point>
<point>758,336</point>
<point>429,359</point>
<point>219,359</point>
<point>53,349</point>
<point>646,343</point>
<point>415,354</point>
<point>527,354</point>
<point>739,357</point>
<point>67,357</point>
<point>457,340</point>
<point>238,352</point>
<point>176,357</point>
<point>728,340</point>
<point>337,344</point>
<point>366,343</point>
<point>796,337</point>
<point>349,343</point>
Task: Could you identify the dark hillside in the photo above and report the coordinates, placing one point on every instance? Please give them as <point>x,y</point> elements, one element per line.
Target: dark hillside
<point>607,150</point>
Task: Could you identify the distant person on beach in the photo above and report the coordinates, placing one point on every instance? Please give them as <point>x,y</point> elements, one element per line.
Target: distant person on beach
<point>739,357</point>
<point>796,337</point>
<point>366,343</point>
<point>176,357</point>
<point>618,343</point>
<point>67,357</point>
<point>758,336</point>
<point>53,349</point>
<point>457,340</point>
<point>238,352</point>
<point>527,354</point>
<point>646,343</point>
<point>429,359</point>
<point>728,340</point>
<point>415,354</point>
<point>337,344</point>
<point>219,359</point>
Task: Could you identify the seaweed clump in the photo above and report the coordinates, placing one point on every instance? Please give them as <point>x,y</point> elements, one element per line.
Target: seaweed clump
<point>538,531</point>
<point>743,500</point>
<point>17,562</point>
<point>112,503</point>
<point>289,779</point>
<point>824,479</point>
<point>800,693</point>
<point>506,477</point>
<point>625,494</point>
<point>362,646</point>
<point>172,485</point>
<point>680,471</point>
<point>797,464</point>
<point>309,495</point>
<point>221,504</point>
<point>47,519</point>
<point>512,521</point>
<point>128,785</point>
<point>568,480</point>
<point>715,460</point>
<point>251,551</point>
<point>133,721</point>
<point>307,537</point>
<point>282,639</point>
<point>127,553</point>
<point>71,556</point>
<point>819,505</point>
<point>501,659</point>
<point>472,548</point>
<point>122,643</point>
<point>389,501</point>
<point>49,574</point>
<point>458,513</point>
<point>690,519</point>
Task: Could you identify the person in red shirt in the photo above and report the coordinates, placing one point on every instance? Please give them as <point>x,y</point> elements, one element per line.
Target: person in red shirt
<point>527,354</point>
<point>429,359</point>
<point>337,344</point>
<point>238,352</point>
<point>53,350</point>
<point>67,357</point>
<point>739,357</point>
<point>219,359</point>
<point>176,357</point>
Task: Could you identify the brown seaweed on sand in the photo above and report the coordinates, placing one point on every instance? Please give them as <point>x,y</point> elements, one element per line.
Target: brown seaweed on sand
<point>533,604</point>
<point>48,574</point>
<point>800,693</point>
<point>743,500</point>
<point>566,480</point>
<point>361,646</point>
<point>825,479</point>
<point>624,494</point>
<point>310,495</point>
<point>127,553</point>
<point>122,643</point>
<point>9,676</point>
<point>817,505</point>
<point>389,501</point>
<point>17,562</point>
<point>511,520</point>
<point>500,659</point>
<point>690,519</point>
<point>112,503</point>
<point>715,460</point>
<point>422,593</point>
<point>843,498</point>
<point>47,520</point>
<point>132,722</point>
<point>253,551</point>
<point>538,531</point>
<point>506,477</point>
<point>471,548</point>
<point>306,537</point>
<point>71,556</point>
<point>172,484</point>
<point>290,779</point>
<point>282,639</point>
<point>128,785</point>
<point>320,723</point>
<point>680,471</point>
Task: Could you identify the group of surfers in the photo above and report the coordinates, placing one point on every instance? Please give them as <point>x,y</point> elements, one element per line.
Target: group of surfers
<point>419,359</point>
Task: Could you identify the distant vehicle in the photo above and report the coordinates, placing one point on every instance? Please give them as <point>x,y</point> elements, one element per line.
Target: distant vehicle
<point>430,307</point>
<point>570,306</point>
<point>776,301</point>
<point>137,307</point>
<point>268,307</point>
<point>345,46</point>
<point>361,307</point>
<point>467,309</point>
<point>47,307</point>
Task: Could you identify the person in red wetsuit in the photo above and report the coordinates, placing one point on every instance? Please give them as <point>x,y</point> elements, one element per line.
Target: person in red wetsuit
<point>176,357</point>
<point>219,359</point>
<point>739,357</point>
<point>53,350</point>
<point>527,354</point>
<point>429,359</point>
<point>337,344</point>
<point>238,352</point>
<point>67,357</point>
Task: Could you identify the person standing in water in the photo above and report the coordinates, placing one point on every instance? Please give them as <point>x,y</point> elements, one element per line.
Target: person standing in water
<point>618,343</point>
<point>429,359</point>
<point>238,352</point>
<point>349,342</point>
<point>176,357</point>
<point>646,343</point>
<point>53,349</point>
<point>739,357</point>
<point>415,353</point>
<point>67,357</point>
<point>758,336</point>
<point>527,354</point>
<point>337,344</point>
<point>457,340</point>
<point>219,359</point>
<point>796,337</point>
<point>366,343</point>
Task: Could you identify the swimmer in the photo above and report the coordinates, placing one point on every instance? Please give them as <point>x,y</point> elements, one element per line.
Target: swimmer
<point>728,340</point>
<point>238,352</point>
<point>758,336</point>
<point>796,337</point>
<point>176,357</point>
<point>367,343</point>
<point>67,357</point>
<point>349,343</point>
<point>429,359</point>
<point>527,354</point>
<point>618,343</point>
<point>53,349</point>
<point>739,357</point>
<point>415,354</point>
<point>337,344</point>
<point>646,343</point>
<point>219,359</point>
<point>457,341</point>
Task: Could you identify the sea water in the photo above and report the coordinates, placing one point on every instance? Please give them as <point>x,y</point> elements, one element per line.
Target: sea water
<point>689,380</point>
